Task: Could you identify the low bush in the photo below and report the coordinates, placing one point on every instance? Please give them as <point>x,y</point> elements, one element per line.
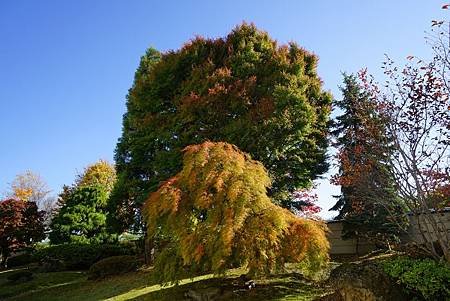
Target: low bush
<point>78,256</point>
<point>114,265</point>
<point>20,260</point>
<point>425,277</point>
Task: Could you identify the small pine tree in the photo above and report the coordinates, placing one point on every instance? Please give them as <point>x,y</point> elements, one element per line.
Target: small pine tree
<point>82,217</point>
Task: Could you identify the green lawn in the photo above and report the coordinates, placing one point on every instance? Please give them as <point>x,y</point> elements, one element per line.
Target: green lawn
<point>138,286</point>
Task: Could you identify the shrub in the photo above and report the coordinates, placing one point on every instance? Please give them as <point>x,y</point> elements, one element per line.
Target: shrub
<point>20,260</point>
<point>79,256</point>
<point>426,277</point>
<point>114,265</point>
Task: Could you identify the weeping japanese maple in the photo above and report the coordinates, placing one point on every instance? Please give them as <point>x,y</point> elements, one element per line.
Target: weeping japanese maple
<point>215,214</point>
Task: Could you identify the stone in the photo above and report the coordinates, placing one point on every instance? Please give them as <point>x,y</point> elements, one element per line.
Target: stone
<point>364,281</point>
<point>206,294</point>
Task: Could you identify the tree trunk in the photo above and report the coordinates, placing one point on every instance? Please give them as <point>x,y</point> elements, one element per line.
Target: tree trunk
<point>4,255</point>
<point>357,246</point>
<point>148,249</point>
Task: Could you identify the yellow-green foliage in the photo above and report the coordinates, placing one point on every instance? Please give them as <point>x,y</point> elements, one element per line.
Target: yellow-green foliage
<point>101,173</point>
<point>217,214</point>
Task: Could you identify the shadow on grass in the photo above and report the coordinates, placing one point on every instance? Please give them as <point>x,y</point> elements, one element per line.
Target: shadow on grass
<point>74,286</point>
<point>87,290</point>
<point>39,282</point>
<point>279,287</point>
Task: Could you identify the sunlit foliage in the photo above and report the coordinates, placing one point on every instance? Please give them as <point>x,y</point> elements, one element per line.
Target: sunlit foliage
<point>30,186</point>
<point>82,217</point>
<point>215,214</point>
<point>243,89</point>
<point>101,173</point>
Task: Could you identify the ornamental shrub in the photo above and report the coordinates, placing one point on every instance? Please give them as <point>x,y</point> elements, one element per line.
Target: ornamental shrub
<point>426,277</point>
<point>216,214</point>
<point>114,265</point>
<point>79,256</point>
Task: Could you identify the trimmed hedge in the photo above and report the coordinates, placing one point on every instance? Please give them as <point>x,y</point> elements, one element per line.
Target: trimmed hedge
<point>114,265</point>
<point>77,256</point>
<point>425,277</point>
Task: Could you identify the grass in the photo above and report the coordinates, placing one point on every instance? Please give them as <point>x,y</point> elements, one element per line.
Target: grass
<point>139,286</point>
<point>40,282</point>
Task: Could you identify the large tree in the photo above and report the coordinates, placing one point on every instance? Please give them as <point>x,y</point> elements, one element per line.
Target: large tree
<point>243,89</point>
<point>21,225</point>
<point>368,204</point>
<point>215,214</point>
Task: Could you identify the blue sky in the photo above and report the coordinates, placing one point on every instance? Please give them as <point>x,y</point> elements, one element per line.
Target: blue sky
<point>66,66</point>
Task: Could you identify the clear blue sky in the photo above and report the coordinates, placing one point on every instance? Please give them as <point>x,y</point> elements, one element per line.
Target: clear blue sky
<point>66,66</point>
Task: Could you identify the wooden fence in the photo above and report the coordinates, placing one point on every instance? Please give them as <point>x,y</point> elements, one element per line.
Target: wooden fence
<point>340,246</point>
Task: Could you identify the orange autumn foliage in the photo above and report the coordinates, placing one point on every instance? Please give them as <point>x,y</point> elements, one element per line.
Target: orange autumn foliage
<point>216,214</point>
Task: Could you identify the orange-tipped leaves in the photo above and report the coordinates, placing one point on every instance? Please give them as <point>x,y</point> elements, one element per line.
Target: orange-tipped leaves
<point>217,214</point>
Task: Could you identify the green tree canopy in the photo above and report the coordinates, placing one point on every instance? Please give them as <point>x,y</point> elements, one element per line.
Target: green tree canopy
<point>215,214</point>
<point>82,217</point>
<point>243,89</point>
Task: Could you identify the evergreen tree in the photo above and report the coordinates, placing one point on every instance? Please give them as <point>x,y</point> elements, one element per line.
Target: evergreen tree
<point>81,213</point>
<point>368,203</point>
<point>242,89</point>
<point>82,217</point>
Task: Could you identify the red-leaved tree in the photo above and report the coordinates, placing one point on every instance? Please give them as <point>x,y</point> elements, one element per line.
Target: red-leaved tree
<point>304,203</point>
<point>416,104</point>
<point>21,225</point>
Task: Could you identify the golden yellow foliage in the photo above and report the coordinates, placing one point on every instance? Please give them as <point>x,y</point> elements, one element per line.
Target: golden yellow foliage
<point>101,173</point>
<point>23,193</point>
<point>29,186</point>
<point>217,215</point>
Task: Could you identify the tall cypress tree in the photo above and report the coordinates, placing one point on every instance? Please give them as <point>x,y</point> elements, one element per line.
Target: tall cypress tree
<point>368,203</point>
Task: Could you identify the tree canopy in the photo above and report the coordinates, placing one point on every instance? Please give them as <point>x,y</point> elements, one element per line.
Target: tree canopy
<point>82,212</point>
<point>368,203</point>
<point>22,224</point>
<point>82,217</point>
<point>243,89</point>
<point>30,186</point>
<point>215,214</point>
<point>101,173</point>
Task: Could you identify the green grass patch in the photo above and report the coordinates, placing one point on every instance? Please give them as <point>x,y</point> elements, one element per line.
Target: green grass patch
<point>40,282</point>
<point>139,286</point>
